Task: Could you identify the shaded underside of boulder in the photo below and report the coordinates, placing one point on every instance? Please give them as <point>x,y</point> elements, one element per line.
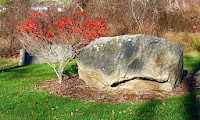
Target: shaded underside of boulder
<point>133,62</point>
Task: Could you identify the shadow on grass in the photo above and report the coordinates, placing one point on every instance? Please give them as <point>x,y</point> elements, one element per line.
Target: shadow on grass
<point>147,110</point>
<point>18,72</point>
<point>71,70</point>
<point>191,103</point>
<point>9,68</point>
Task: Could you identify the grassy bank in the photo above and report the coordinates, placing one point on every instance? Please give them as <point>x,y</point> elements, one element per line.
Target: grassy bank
<point>19,100</point>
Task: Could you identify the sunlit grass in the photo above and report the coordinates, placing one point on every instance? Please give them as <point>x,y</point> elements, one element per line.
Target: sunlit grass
<point>192,61</point>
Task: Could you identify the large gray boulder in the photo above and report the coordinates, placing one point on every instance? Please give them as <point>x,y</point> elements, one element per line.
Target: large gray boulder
<point>137,62</point>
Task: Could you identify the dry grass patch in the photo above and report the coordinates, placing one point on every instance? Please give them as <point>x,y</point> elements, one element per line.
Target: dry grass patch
<point>8,62</point>
<point>189,42</point>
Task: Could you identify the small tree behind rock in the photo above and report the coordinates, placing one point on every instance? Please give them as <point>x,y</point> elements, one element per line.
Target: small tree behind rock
<point>60,41</point>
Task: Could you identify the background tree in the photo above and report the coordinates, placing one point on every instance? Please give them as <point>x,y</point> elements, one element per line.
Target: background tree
<point>67,36</point>
<point>11,11</point>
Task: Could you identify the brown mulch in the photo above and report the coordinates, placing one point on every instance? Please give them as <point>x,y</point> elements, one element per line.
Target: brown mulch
<point>75,88</point>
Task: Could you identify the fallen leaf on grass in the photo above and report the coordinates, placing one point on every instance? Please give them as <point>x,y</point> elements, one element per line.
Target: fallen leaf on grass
<point>92,114</point>
<point>5,112</point>
<point>78,110</point>
<point>72,113</point>
<point>163,103</point>
<point>111,112</point>
<point>153,117</point>
<point>124,111</point>
<point>132,103</point>
<point>35,103</point>
<point>183,107</point>
<point>142,114</point>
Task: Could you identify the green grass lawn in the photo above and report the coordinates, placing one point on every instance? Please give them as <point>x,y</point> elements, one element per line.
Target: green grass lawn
<point>192,61</point>
<point>19,100</point>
